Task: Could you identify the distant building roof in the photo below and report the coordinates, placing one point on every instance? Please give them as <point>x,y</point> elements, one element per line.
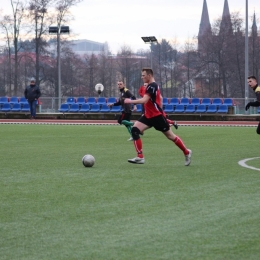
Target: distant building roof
<point>82,47</point>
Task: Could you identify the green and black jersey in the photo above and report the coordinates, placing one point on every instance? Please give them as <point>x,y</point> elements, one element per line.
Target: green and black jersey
<point>125,93</point>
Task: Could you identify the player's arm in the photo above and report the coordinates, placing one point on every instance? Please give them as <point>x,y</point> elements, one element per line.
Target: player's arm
<point>252,104</point>
<point>255,103</point>
<point>142,100</point>
<point>161,101</point>
<point>131,96</point>
<point>118,103</point>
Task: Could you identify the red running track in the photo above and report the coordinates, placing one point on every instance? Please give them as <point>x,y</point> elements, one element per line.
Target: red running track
<point>113,122</point>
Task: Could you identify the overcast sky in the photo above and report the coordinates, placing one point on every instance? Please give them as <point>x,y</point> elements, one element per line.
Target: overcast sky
<point>120,22</point>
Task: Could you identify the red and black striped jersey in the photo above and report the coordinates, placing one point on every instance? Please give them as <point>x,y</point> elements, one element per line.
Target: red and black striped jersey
<point>152,107</point>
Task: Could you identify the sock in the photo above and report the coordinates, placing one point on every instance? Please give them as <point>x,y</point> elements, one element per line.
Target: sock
<point>129,128</point>
<point>138,147</point>
<point>181,145</point>
<point>127,123</point>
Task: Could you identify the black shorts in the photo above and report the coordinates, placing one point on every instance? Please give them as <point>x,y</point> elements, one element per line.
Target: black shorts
<point>124,116</point>
<point>158,122</point>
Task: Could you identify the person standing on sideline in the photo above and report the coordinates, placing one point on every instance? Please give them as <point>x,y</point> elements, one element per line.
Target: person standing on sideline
<point>32,93</point>
<point>126,108</point>
<point>153,117</point>
<point>252,83</point>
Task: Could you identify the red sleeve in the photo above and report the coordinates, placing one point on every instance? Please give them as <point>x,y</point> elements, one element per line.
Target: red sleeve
<point>141,91</point>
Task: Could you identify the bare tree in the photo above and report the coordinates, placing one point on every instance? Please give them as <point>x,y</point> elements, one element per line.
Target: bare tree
<point>222,58</point>
<point>18,9</point>
<point>38,11</point>
<point>62,15</point>
<point>189,61</point>
<point>6,26</point>
<point>12,26</point>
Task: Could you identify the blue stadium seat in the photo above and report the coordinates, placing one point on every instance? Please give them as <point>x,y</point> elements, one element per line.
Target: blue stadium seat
<point>70,100</point>
<point>101,101</point>
<point>195,101</point>
<point>165,101</point>
<point>217,101</point>
<point>168,108</point>
<point>222,109</point>
<point>25,108</point>
<point>179,108</point>
<point>116,109</point>
<point>16,107</point>
<point>190,108</point>
<point>229,102</point>
<point>74,108</point>
<point>3,100</point>
<point>94,108</point>
<point>111,100</point>
<point>81,100</point>
<point>105,108</point>
<point>201,108</point>
<point>84,108</point>
<point>91,101</point>
<point>185,101</point>
<point>212,109</point>
<point>6,107</point>
<point>13,100</point>
<point>206,101</point>
<point>174,101</point>
<point>64,108</point>
<point>23,101</point>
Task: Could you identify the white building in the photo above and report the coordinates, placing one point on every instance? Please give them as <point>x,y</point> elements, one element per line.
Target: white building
<point>82,47</point>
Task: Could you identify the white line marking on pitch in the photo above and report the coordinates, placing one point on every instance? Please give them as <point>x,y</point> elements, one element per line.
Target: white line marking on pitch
<point>243,163</point>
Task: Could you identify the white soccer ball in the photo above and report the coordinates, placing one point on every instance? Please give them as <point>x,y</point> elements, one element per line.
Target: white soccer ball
<point>88,160</point>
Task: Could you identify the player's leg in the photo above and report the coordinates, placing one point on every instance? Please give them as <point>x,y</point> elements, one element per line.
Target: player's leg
<point>174,123</point>
<point>170,122</point>
<point>138,127</point>
<point>127,118</point>
<point>122,119</point>
<point>178,141</point>
<point>129,124</point>
<point>258,129</point>
<point>31,109</point>
<point>34,103</point>
<point>161,124</point>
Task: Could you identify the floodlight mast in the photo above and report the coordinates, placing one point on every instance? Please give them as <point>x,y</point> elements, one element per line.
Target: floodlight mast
<point>150,40</point>
<point>59,30</point>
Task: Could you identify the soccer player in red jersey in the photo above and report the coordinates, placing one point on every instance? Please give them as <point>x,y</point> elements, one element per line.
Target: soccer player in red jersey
<point>142,91</point>
<point>153,117</point>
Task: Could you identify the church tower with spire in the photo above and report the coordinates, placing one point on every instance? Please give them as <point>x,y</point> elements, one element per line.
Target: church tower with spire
<point>205,25</point>
<point>254,26</point>
<point>226,24</point>
<point>254,40</point>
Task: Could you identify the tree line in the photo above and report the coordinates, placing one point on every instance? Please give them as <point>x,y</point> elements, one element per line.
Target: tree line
<point>215,69</point>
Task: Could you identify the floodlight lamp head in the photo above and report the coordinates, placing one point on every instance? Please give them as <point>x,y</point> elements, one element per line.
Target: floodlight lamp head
<point>53,29</point>
<point>146,39</point>
<point>149,39</point>
<point>153,39</point>
<point>64,29</point>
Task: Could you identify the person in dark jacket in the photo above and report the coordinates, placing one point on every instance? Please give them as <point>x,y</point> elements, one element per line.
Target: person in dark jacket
<point>126,108</point>
<point>32,93</point>
<point>252,83</point>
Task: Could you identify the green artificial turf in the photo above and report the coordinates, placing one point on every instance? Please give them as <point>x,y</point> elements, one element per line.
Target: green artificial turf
<point>52,207</point>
